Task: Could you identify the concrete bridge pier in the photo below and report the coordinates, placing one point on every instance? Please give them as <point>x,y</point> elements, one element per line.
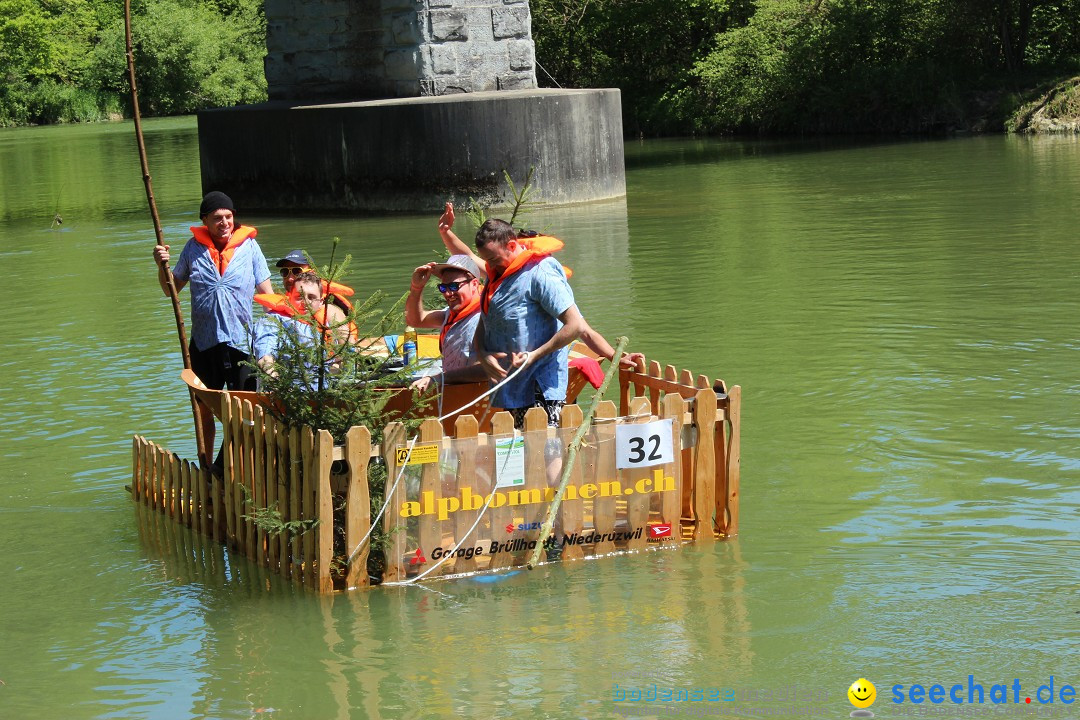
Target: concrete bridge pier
<point>380,105</point>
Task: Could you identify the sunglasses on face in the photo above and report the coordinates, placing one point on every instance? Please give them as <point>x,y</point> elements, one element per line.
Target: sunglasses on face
<point>294,271</point>
<point>450,287</point>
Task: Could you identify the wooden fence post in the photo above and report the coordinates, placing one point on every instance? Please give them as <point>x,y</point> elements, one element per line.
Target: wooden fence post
<point>230,473</point>
<point>465,430</point>
<point>502,424</point>
<point>296,557</point>
<point>247,498</point>
<point>536,474</point>
<point>671,502</point>
<point>323,459</point>
<point>430,482</point>
<point>637,505</point>
<point>704,465</point>
<point>258,490</point>
<point>357,504</point>
<point>138,467</point>
<point>733,458</point>
<point>270,427</point>
<point>202,478</point>
<point>282,471</point>
<point>720,447</point>
<point>393,435</point>
<point>604,507</point>
<point>309,486</point>
<point>654,392</point>
<point>572,511</point>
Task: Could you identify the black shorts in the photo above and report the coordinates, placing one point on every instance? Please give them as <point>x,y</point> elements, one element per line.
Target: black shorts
<point>223,366</point>
<point>553,408</point>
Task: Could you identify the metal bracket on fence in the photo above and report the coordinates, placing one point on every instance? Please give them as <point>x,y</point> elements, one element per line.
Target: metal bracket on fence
<point>689,435</point>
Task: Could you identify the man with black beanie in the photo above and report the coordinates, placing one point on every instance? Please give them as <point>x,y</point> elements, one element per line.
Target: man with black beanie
<point>225,267</point>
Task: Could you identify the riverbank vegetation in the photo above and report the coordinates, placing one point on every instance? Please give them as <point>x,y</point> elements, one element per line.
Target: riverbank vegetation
<point>64,59</point>
<point>780,66</point>
<point>684,66</point>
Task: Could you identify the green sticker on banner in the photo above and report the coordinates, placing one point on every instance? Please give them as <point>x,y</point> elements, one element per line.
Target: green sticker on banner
<point>510,462</point>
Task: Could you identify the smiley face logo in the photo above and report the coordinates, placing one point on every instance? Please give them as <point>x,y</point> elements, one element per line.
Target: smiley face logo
<point>862,693</point>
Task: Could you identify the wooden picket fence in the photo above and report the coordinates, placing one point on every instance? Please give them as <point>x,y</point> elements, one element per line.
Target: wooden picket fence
<point>285,476</point>
<point>715,455</point>
<point>296,505</point>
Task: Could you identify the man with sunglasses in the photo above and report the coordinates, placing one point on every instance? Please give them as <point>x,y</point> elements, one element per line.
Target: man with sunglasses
<point>292,265</point>
<point>592,339</point>
<point>460,287</point>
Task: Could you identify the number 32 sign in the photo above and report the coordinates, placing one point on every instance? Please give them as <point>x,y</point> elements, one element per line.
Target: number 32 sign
<point>643,445</point>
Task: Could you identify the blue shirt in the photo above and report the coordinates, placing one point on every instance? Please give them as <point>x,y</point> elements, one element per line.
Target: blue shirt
<point>523,315</point>
<point>221,304</point>
<point>273,335</point>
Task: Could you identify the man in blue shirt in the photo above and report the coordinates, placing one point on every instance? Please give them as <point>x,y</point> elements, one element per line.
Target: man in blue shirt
<point>225,267</point>
<point>527,306</point>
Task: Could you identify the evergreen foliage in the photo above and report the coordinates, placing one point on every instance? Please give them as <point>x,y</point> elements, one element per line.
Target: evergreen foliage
<point>320,378</point>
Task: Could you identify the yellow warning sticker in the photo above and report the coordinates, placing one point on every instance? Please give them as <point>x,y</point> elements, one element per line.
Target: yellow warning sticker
<point>421,455</point>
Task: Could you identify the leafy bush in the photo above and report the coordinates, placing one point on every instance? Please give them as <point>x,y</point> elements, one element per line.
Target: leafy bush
<point>65,61</point>
<point>186,57</point>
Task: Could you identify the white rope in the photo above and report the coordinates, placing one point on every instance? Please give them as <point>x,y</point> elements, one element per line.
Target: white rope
<point>453,550</point>
<point>405,463</point>
<point>450,553</point>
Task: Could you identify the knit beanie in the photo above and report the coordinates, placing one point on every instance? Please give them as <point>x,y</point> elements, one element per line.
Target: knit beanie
<point>215,200</point>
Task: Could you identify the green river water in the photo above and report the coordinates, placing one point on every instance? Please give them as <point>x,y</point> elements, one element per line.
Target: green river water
<point>902,317</point>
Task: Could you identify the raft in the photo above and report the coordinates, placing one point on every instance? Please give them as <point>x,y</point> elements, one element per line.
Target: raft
<point>467,495</point>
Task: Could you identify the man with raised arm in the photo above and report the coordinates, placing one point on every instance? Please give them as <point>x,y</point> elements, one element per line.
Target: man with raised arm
<point>460,287</point>
<point>592,339</point>
<point>528,319</point>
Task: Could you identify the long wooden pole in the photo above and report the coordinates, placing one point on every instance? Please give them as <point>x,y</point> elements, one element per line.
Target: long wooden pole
<point>571,455</point>
<point>163,265</point>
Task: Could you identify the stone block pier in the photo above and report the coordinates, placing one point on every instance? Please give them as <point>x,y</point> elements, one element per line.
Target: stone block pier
<point>382,105</point>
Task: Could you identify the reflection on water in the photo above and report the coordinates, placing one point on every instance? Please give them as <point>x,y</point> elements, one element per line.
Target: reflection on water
<point>518,639</point>
<point>901,317</point>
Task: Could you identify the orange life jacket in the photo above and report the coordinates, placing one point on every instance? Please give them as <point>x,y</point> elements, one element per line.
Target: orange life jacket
<point>289,306</point>
<point>453,319</point>
<point>222,258</point>
<point>520,261</point>
<point>335,291</point>
<point>338,293</point>
<point>545,243</point>
<point>536,248</point>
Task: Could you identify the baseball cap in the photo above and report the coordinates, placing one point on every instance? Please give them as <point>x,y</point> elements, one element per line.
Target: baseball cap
<point>459,262</point>
<point>296,256</point>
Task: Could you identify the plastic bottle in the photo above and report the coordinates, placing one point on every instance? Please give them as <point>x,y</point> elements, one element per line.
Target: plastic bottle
<point>408,345</point>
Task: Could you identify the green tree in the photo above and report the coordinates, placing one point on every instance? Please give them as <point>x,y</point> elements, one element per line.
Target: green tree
<point>187,57</point>
<point>647,48</point>
<point>64,59</point>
